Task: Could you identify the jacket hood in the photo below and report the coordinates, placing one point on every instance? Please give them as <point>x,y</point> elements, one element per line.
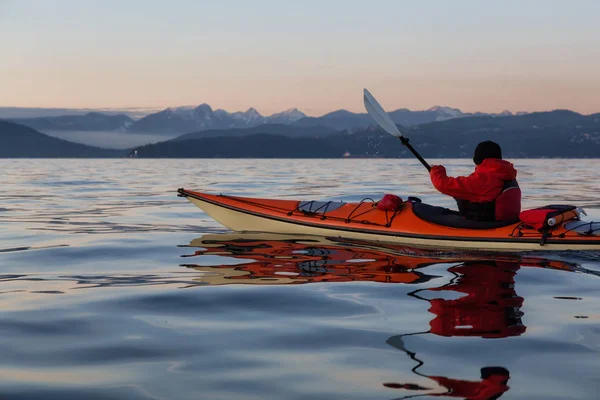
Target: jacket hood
<point>501,168</point>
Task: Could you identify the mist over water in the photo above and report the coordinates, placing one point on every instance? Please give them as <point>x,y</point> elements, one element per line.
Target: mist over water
<point>108,140</point>
<point>111,287</point>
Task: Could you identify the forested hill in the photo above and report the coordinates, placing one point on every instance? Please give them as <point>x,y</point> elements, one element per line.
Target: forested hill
<point>18,141</point>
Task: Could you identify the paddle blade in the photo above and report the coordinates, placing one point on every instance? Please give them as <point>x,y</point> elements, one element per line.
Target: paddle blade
<point>379,115</point>
<point>397,342</point>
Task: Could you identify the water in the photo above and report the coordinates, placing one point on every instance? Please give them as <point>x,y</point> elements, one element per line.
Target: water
<point>113,287</point>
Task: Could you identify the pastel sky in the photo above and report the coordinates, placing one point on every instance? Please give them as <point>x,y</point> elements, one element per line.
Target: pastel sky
<point>317,55</point>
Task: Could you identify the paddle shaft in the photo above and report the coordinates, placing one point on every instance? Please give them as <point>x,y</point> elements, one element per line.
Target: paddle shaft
<point>416,153</point>
<point>385,122</point>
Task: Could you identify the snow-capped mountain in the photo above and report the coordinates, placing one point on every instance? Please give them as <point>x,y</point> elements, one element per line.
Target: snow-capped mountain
<point>177,120</point>
<point>287,116</point>
<point>250,117</point>
<point>446,112</point>
<point>505,113</point>
<point>203,112</point>
<point>190,119</point>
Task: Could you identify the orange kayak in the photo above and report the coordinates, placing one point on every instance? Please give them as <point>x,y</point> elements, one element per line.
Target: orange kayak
<point>415,224</point>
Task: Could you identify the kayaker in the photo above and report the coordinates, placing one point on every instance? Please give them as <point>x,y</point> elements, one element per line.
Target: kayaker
<point>490,193</point>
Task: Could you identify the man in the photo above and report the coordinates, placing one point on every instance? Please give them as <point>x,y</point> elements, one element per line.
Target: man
<point>490,193</point>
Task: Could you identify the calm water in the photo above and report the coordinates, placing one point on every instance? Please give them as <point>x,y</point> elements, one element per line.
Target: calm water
<point>112,287</point>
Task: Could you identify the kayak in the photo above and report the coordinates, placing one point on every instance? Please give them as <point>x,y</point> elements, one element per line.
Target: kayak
<point>415,224</point>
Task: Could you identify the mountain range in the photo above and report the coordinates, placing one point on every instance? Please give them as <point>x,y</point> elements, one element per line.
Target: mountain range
<point>190,119</point>
<point>179,120</point>
<point>346,120</point>
<point>560,133</point>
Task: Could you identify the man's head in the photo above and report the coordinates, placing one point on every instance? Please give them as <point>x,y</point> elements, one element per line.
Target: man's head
<point>487,149</point>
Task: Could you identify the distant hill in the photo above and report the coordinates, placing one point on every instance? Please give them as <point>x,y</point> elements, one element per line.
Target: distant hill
<point>275,129</point>
<point>548,134</point>
<point>92,121</point>
<point>338,120</point>
<point>253,146</point>
<point>18,141</point>
<point>36,112</point>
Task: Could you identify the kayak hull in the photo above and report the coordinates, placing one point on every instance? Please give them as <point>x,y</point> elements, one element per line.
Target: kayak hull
<point>257,215</point>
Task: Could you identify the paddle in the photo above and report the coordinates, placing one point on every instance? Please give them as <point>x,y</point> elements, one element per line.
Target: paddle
<point>385,122</point>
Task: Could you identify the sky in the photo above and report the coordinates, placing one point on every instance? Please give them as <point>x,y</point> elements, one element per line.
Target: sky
<point>526,55</point>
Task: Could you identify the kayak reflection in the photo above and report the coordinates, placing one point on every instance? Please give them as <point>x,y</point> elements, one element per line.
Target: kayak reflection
<point>279,259</point>
<point>263,258</point>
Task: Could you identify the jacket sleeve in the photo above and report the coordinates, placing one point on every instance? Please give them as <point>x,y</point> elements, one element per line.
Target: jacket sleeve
<point>462,187</point>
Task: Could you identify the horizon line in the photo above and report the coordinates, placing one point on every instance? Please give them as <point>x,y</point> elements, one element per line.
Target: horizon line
<point>152,110</point>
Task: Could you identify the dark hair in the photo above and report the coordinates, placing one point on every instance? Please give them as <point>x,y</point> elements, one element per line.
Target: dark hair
<point>487,149</point>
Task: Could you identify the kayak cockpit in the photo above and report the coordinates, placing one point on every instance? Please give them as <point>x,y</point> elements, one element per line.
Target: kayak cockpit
<point>449,218</point>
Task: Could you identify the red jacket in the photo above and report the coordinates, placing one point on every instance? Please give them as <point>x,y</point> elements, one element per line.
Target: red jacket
<point>483,185</point>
